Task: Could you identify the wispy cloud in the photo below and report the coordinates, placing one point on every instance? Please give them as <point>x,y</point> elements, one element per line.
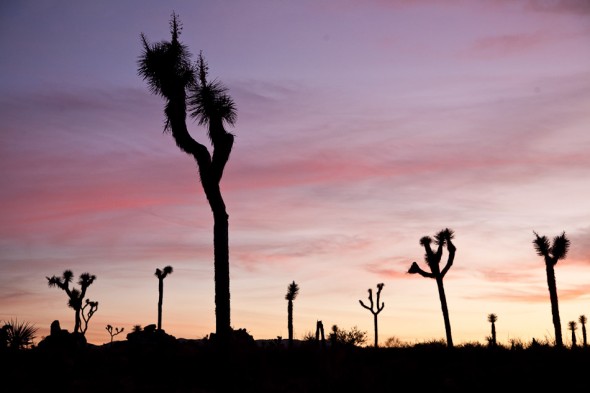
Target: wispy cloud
<point>508,44</point>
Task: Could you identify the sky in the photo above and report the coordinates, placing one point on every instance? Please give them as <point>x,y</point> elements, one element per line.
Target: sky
<point>362,126</point>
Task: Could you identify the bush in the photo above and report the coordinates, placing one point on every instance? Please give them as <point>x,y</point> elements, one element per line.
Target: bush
<point>18,335</point>
<point>351,338</point>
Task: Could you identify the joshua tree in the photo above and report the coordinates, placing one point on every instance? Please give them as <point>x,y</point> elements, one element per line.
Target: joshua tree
<point>161,274</point>
<point>573,326</point>
<point>319,333</point>
<point>376,311</point>
<point>167,68</point>
<point>86,315</point>
<point>292,292</point>
<point>552,253</point>
<point>582,321</point>
<point>433,261</point>
<point>112,333</point>
<point>492,318</point>
<point>75,296</point>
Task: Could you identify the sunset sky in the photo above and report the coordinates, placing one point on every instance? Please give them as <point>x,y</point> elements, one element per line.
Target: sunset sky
<point>362,126</point>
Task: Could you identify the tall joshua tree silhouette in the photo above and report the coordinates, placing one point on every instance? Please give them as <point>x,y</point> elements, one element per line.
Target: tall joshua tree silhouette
<point>161,274</point>
<point>583,321</point>
<point>75,296</point>
<point>573,326</point>
<point>552,253</point>
<point>375,311</point>
<point>167,68</point>
<point>433,261</point>
<point>492,318</point>
<point>292,292</point>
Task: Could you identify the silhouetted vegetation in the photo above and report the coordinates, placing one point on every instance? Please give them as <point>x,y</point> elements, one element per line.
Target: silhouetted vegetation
<point>582,321</point>
<point>17,335</point>
<point>348,338</point>
<point>167,68</point>
<point>394,342</point>
<point>573,326</point>
<point>292,292</point>
<point>76,296</point>
<point>60,340</point>
<point>161,274</point>
<point>146,364</point>
<point>320,334</point>
<point>114,331</point>
<point>553,253</point>
<point>86,312</point>
<point>375,311</point>
<point>433,261</point>
<point>492,318</point>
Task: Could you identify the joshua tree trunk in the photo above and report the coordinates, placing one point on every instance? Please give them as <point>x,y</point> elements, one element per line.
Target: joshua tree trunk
<point>290,321</point>
<point>493,334</point>
<point>210,171</point>
<point>376,331</point>
<point>574,341</point>
<point>77,320</point>
<point>554,304</point>
<point>584,337</point>
<point>160,301</point>
<point>222,295</point>
<point>445,310</point>
<point>319,333</point>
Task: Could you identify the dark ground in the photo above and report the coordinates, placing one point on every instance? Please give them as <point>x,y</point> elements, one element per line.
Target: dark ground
<point>188,367</point>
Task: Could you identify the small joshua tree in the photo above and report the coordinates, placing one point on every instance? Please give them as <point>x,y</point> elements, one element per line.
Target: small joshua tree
<point>552,253</point>
<point>433,261</point>
<point>86,312</point>
<point>573,326</point>
<point>582,321</point>
<point>75,296</point>
<point>114,332</point>
<point>319,333</point>
<point>292,292</point>
<point>375,311</point>
<point>492,318</point>
<point>161,274</point>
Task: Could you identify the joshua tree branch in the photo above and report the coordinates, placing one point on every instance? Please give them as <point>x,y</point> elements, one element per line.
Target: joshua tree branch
<point>416,269</point>
<point>451,248</point>
<point>363,304</point>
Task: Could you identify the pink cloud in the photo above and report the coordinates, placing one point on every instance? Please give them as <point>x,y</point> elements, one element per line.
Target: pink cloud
<point>580,247</point>
<point>541,296</point>
<point>508,44</point>
<point>394,268</point>
<point>579,7</point>
<point>522,274</point>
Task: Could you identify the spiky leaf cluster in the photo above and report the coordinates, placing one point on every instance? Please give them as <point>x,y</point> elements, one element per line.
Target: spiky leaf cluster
<point>167,68</point>
<point>164,272</point>
<point>557,250</point>
<point>20,335</point>
<point>443,236</point>
<point>292,291</point>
